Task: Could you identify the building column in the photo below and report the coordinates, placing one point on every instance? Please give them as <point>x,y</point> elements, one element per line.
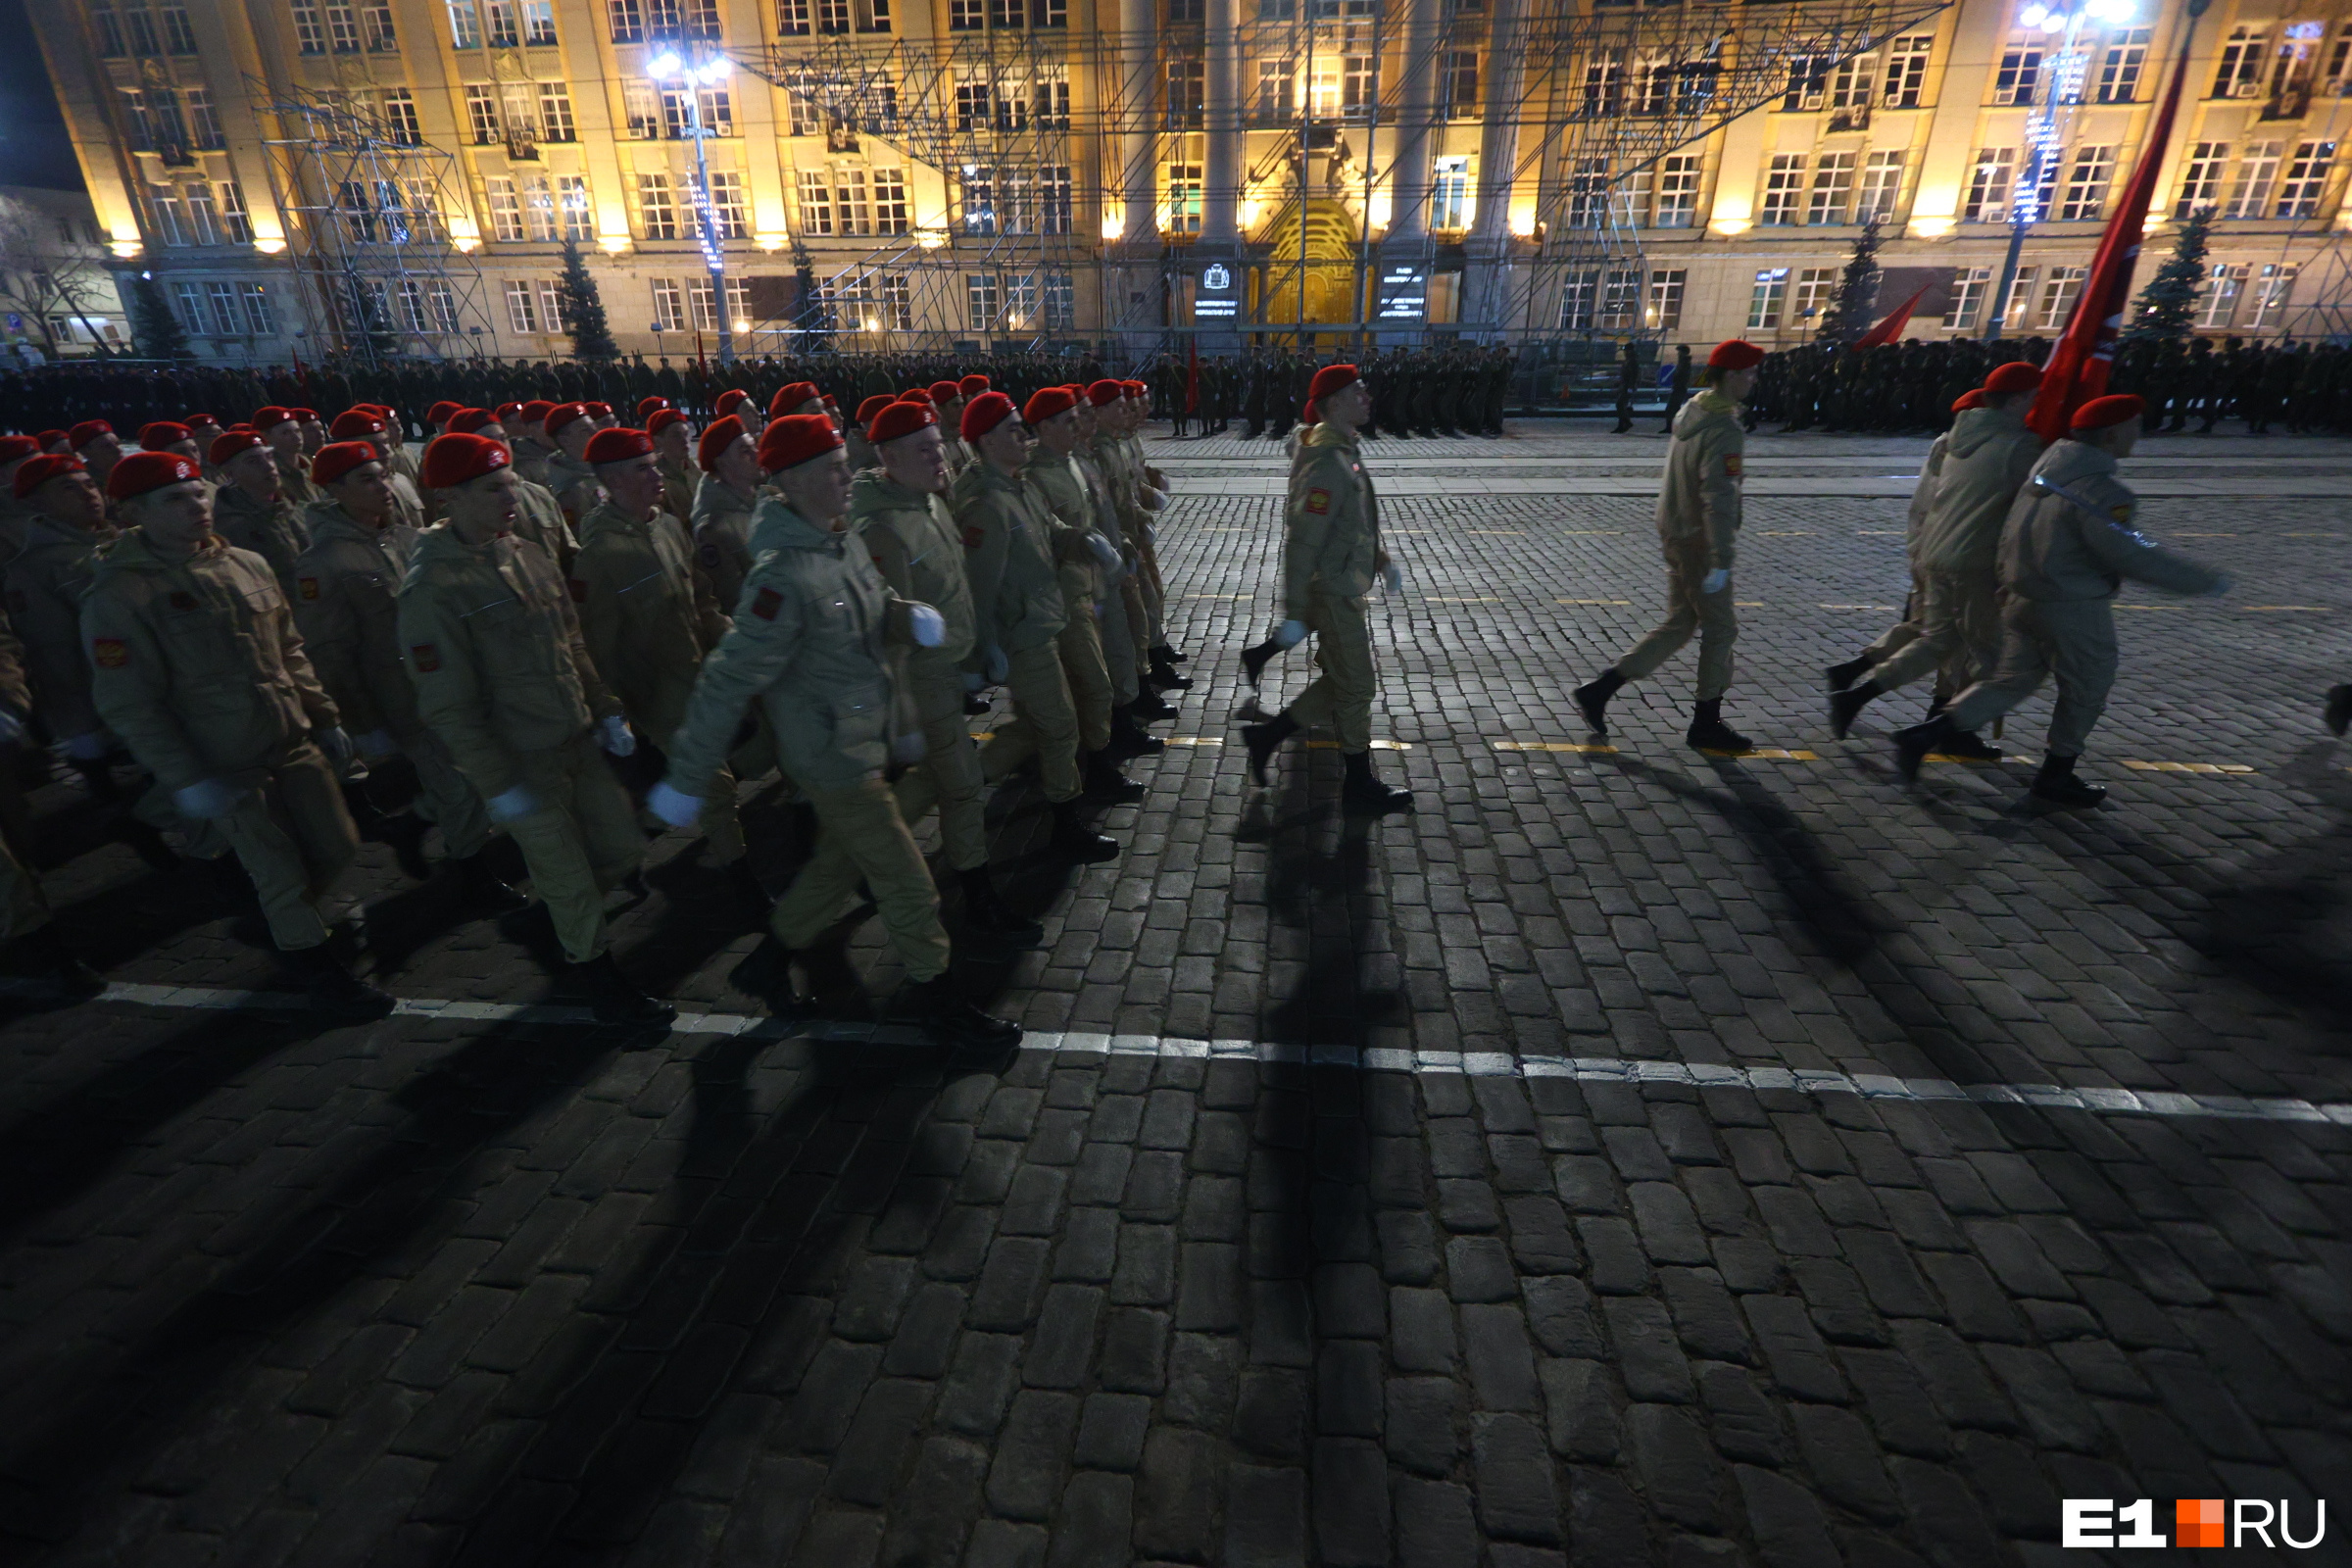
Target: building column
<point>1486,274</point>
<point>1138,121</point>
<point>1221,201</point>
<point>1409,173</point>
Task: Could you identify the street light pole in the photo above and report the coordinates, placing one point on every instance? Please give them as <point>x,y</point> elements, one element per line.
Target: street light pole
<point>692,78</point>
<point>2066,75</point>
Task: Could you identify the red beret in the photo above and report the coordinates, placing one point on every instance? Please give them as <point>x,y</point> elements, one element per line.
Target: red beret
<point>618,445</point>
<point>1973,398</point>
<point>901,418</point>
<point>1047,402</point>
<point>827,401</point>
<point>231,443</point>
<point>873,406</point>
<point>355,423</point>
<point>14,446</point>
<point>984,414</point>
<point>382,411</point>
<point>646,406</point>
<point>338,457</point>
<point>271,417</point>
<point>144,472</point>
<point>790,397</point>
<point>88,431</point>
<point>1332,378</point>
<point>536,410</point>
<point>973,385</point>
<point>2015,376</point>
<point>729,400</point>
<point>915,394</point>
<point>947,391</point>
<point>662,420</point>
<point>794,438</point>
<point>509,411</point>
<point>722,433</point>
<point>440,411</point>
<point>451,460</point>
<point>39,470</point>
<point>597,410</point>
<point>469,422</point>
<point>1735,354</point>
<point>559,415</point>
<point>1135,389</point>
<point>192,421</point>
<point>308,414</point>
<point>51,440</point>
<point>1105,393</point>
<point>2103,413</point>
<point>163,432</point>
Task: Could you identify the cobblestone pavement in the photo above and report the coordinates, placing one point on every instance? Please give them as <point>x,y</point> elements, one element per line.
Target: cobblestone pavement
<point>1632,1156</point>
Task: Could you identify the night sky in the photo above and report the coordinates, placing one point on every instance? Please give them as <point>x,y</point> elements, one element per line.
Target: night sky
<point>34,149</point>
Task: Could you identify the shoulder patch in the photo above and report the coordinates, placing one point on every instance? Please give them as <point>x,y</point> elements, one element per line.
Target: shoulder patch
<point>974,536</point>
<point>1734,465</point>
<point>109,652</point>
<point>425,658</point>
<point>766,603</point>
<point>309,586</point>
<point>1318,502</point>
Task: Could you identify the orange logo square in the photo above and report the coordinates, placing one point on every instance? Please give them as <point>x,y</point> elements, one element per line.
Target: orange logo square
<point>2197,1522</point>
<point>1318,502</point>
<point>1732,465</point>
<point>109,652</point>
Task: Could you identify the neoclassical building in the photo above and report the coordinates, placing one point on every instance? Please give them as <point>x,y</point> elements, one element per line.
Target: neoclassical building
<point>404,176</point>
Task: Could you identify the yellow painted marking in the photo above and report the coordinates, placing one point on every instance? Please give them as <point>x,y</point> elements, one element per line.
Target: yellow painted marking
<point>2321,608</point>
<point>1857,606</point>
<point>2187,768</point>
<point>1767,754</point>
<point>1591,601</point>
<point>1748,603</point>
<point>1588,748</point>
<point>1378,745</point>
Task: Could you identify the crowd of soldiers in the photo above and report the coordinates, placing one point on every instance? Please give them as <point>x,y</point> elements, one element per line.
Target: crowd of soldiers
<point>1415,392</point>
<point>2190,385</point>
<point>571,628</point>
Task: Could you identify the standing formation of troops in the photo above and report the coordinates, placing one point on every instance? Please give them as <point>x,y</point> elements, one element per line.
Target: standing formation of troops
<point>1413,392</point>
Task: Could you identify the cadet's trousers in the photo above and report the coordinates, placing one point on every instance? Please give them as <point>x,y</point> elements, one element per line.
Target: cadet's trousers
<point>862,834</point>
<point>1082,662</point>
<point>294,836</point>
<point>722,827</point>
<point>1687,611</point>
<point>1904,632</point>
<point>579,843</point>
<point>1044,724</point>
<point>2072,639</point>
<point>1118,646</point>
<point>450,802</point>
<point>1341,696</point>
<point>1152,587</point>
<point>1959,621</point>
<point>948,775</point>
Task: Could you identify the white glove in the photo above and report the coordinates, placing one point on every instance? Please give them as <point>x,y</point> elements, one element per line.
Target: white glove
<point>1290,634</point>
<point>672,806</point>
<point>12,728</point>
<point>929,626</point>
<point>88,748</point>
<point>2222,582</point>
<point>378,743</point>
<point>1393,575</point>
<point>335,744</point>
<point>517,802</point>
<point>1104,552</point>
<point>1715,581</point>
<point>207,798</point>
<point>994,664</point>
<point>614,735</point>
<point>1152,500</point>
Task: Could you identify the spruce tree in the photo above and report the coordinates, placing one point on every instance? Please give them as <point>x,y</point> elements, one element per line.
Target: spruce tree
<point>584,309</point>
<point>152,326</point>
<point>2167,306</point>
<point>1848,315</point>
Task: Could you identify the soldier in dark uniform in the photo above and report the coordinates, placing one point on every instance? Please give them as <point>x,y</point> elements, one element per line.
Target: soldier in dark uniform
<point>1629,371</point>
<point>1677,391</point>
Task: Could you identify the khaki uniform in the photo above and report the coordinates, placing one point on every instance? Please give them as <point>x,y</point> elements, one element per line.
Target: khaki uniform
<point>504,680</point>
<point>1122,650</point>
<point>810,643</point>
<point>294,480</point>
<point>16,520</point>
<point>678,482</point>
<point>1699,526</point>
<point>22,909</point>
<point>1330,558</point>
<point>723,539</point>
<point>2067,546</point>
<point>577,490</point>
<point>273,530</point>
<point>1017,608</point>
<point>539,519</point>
<point>197,666</point>
<point>1145,539</point>
<point>1988,455</point>
<point>647,621</point>
<point>1070,499</point>
<point>530,458</point>
<point>46,585</point>
<point>1905,631</point>
<point>1134,617</point>
<point>347,608</point>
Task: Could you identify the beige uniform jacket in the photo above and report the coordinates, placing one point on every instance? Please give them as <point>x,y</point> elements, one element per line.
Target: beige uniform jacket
<point>530,458</point>
<point>1008,552</point>
<point>643,614</point>
<point>914,543</point>
<point>1331,536</point>
<point>678,480</point>
<point>577,487</point>
<point>1078,508</point>
<point>2070,534</point>
<point>294,480</point>
<point>1699,496</point>
<point>347,606</point>
<point>494,648</point>
<point>196,663</point>
<point>1988,455</point>
<point>46,584</point>
<point>1923,495</point>
<point>722,538</point>
<point>271,530</point>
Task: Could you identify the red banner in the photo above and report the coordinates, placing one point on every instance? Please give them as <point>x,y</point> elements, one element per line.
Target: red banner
<point>1889,329</point>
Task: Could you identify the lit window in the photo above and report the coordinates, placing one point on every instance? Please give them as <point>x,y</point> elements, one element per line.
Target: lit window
<point>1906,71</point>
<point>2058,295</point>
<point>522,307</point>
<point>2306,179</point>
<point>2201,176</point>
<point>2127,56</point>
<point>2257,172</point>
<point>1832,194</point>
<point>1988,186</point>
<point>1449,194</point>
<point>1664,311</point>
<point>657,210</point>
<point>2275,288</point>
<point>1678,191</point>
<point>1768,299</point>
<point>2086,185</point>
<point>2019,72</point>
<point>1784,180</point>
<point>1881,185</point>
<point>2239,75</point>
<point>669,306</point>
<point>981,307</point>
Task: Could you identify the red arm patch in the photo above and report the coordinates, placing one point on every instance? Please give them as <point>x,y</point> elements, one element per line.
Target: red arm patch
<point>109,652</point>
<point>1318,502</point>
<point>974,536</point>
<point>425,658</point>
<point>766,603</point>
<point>1734,465</point>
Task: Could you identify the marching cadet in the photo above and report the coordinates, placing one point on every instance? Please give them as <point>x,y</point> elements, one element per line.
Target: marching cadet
<point>896,512</point>
<point>14,517</point>
<point>1151,492</point>
<point>648,617</point>
<point>1981,465</point>
<point>570,427</point>
<point>1698,524</point>
<point>312,430</point>
<point>532,449</point>
<point>859,444</point>
<point>197,666</point>
<point>347,606</point>
<point>204,429</point>
<point>734,400</point>
<point>170,435</point>
<point>1131,627</point>
<point>400,464</point>
<point>249,510</point>
<point>1128,735</point>
<point>66,526</point>
<point>1906,631</point>
<point>366,423</point>
<point>2066,546</point>
<point>1331,557</point>
<point>24,922</point>
<point>283,431</point>
<point>722,508</point>
<point>947,400</point>
<point>673,452</point>
<point>797,397</point>
<point>1018,615</point>
<point>504,681</point>
<point>538,516</point>
<point>812,645</point>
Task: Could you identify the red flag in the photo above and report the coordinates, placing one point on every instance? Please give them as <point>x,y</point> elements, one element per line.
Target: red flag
<point>1192,374</point>
<point>2078,366</point>
<point>1886,331</point>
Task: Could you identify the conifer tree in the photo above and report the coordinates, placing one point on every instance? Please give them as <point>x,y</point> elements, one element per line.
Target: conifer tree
<point>584,309</point>
<point>152,326</point>
<point>2168,307</point>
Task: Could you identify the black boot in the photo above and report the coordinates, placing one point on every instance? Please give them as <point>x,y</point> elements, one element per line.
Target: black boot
<point>1150,706</point>
<point>1162,652</point>
<point>984,909</point>
<point>1254,659</point>
<point>934,1005</point>
<point>974,705</point>
<point>1846,706</point>
<point>59,966</point>
<point>2339,709</point>
<point>405,833</point>
<point>1969,747</point>
<point>1163,674</point>
<point>483,890</point>
<point>2056,783</point>
<point>1105,781</point>
<point>1912,746</point>
<point>1364,790</point>
<point>1840,676</point>
<point>147,843</point>
<point>1592,699</point>
<point>1130,738</point>
<point>1709,733</point>
<point>100,777</point>
<point>1264,740</point>
<point>1074,840</point>
<point>616,1000</point>
<point>335,991</point>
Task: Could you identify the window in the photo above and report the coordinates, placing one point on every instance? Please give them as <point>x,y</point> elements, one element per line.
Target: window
<point>465,23</point>
<point>234,218</point>
<point>726,205</point>
<point>1988,186</point>
<point>1881,185</point>
<point>551,306</point>
<point>1277,90</point>
<point>791,19</point>
<point>555,113</point>
<point>2306,179</point>
<point>896,302</point>
<point>967,14</point>
<point>572,200</point>
<point>1782,182</point>
<point>657,210</point>
<point>1060,301</point>
<point>1832,197</point>
<point>716,106</point>
<point>2241,73</point>
<point>171,224</point>
<point>178,37</point>
<point>703,303</point>
<point>981,307</point>
<point>261,316</point>
<point>2019,303</point>
<point>628,20</point>
<point>1767,299</point>
<point>1678,191</point>
<point>1359,85</point>
<point>1054,99</point>
<point>2257,172</point>
<point>1808,81</point>
<point>522,307</point>
<point>2271,292</point>
<point>1053,203</point>
<point>1460,84</point>
<point>1852,85</point>
<point>801,109</point>
<point>1620,298</point>
<point>110,29</point>
<point>204,218</point>
<point>222,298</point>
<point>2058,295</point>
<point>190,301</point>
<point>481,114</point>
<point>1183,11</point>
<point>504,25</point>
<point>2019,72</point>
<point>1004,12</point>
<point>889,201</point>
<point>1815,287</point>
<point>2086,185</point>
<point>833,15</point>
<point>375,21</point>
<point>538,207</point>
<point>505,209</point>
<point>1653,84</point>
<point>1969,286</point>
<point>1449,194</point>
<point>310,32</point>
<point>1187,94</point>
<point>425,209</point>
<point>539,24</point>
<point>1664,311</point>
<point>2222,285</point>
<point>400,118</point>
<point>2126,58</point>
<point>204,125</point>
<point>1020,300</point>
<point>1906,71</point>
<point>1604,83</point>
<point>669,306</point>
<point>2201,176</point>
<point>816,203</point>
<point>1577,299</point>
<point>342,28</point>
<point>1183,199</point>
<point>1044,14</point>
